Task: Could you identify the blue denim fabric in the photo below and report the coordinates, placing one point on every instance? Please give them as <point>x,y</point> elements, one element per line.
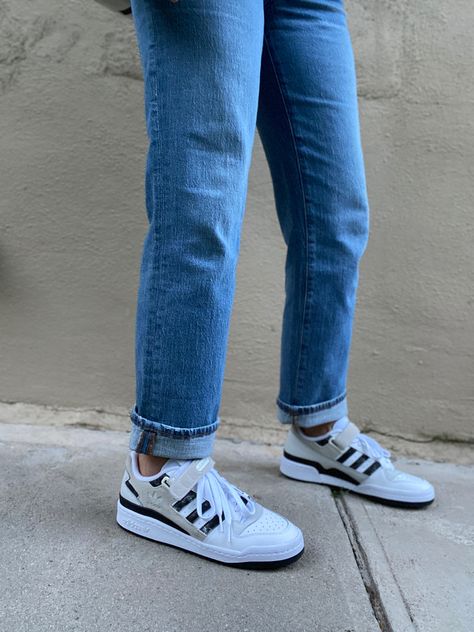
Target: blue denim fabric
<point>215,71</point>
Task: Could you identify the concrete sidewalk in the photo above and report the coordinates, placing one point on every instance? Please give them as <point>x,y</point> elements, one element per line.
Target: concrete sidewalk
<point>67,566</point>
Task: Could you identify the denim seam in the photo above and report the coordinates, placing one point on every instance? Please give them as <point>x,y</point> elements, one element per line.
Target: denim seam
<point>154,129</point>
<point>163,430</point>
<point>284,98</point>
<point>269,9</point>
<point>153,61</point>
<point>159,225</point>
<point>311,408</point>
<point>148,442</point>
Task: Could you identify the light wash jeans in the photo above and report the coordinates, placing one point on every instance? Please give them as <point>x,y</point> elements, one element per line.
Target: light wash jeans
<point>215,71</point>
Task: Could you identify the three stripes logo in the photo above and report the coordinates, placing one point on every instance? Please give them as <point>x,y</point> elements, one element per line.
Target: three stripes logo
<point>360,460</point>
<point>180,505</point>
<point>341,474</point>
<point>193,516</point>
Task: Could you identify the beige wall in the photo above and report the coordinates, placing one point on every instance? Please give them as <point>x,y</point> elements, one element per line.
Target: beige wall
<point>72,157</point>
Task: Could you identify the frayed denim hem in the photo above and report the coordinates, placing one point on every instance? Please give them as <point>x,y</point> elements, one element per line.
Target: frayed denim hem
<point>158,439</point>
<point>312,415</point>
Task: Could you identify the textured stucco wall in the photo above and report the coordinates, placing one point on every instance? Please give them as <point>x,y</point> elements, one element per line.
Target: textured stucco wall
<point>72,215</point>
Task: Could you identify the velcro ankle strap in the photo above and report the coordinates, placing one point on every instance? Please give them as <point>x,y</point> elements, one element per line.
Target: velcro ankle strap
<point>344,438</point>
<point>181,485</point>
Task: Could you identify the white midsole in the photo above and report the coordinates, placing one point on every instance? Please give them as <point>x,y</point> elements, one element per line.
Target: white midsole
<point>155,530</point>
<point>308,473</point>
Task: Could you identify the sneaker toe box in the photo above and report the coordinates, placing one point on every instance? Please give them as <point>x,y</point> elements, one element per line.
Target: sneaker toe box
<point>272,529</point>
<point>397,485</point>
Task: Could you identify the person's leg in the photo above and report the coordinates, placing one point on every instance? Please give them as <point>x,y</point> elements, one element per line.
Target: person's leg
<point>309,124</point>
<point>201,61</point>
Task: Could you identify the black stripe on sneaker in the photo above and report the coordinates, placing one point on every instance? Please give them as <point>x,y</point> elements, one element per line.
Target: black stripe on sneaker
<point>323,441</point>
<point>331,471</point>
<point>372,468</point>
<point>348,453</point>
<point>190,496</point>
<point>131,488</point>
<point>211,524</point>
<point>157,481</point>
<point>146,511</point>
<point>362,459</point>
<point>193,516</point>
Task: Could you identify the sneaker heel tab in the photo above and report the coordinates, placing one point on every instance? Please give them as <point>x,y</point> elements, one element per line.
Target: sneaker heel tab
<point>298,433</point>
<point>291,434</point>
<point>294,429</point>
<point>294,439</point>
<point>131,464</point>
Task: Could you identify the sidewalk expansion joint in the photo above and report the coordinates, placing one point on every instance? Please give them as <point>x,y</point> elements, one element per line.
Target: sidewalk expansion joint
<point>363,565</point>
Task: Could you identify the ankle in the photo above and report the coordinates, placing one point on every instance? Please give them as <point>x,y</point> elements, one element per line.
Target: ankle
<point>149,464</point>
<point>320,429</point>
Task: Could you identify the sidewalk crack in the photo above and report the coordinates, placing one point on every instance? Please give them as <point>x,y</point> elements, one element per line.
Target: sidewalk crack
<point>363,566</point>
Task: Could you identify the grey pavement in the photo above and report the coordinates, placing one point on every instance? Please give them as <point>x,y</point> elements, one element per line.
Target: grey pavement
<point>421,562</point>
<point>66,565</point>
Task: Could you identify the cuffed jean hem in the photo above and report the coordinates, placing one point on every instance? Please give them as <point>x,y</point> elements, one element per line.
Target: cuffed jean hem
<point>312,415</point>
<point>158,439</point>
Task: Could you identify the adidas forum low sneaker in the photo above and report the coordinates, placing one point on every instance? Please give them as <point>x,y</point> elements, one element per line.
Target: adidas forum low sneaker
<point>346,458</point>
<point>189,505</point>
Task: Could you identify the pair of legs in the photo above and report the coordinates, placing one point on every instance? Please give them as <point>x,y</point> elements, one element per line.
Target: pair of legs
<point>215,71</point>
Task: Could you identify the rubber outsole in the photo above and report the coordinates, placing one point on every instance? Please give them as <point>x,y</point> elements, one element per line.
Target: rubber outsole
<point>289,470</point>
<point>249,565</point>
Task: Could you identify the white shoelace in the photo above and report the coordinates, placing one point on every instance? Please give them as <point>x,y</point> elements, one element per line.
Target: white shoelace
<point>372,448</point>
<point>223,497</point>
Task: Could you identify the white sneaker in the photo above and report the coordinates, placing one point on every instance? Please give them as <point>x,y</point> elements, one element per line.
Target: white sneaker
<point>190,506</point>
<point>351,460</point>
